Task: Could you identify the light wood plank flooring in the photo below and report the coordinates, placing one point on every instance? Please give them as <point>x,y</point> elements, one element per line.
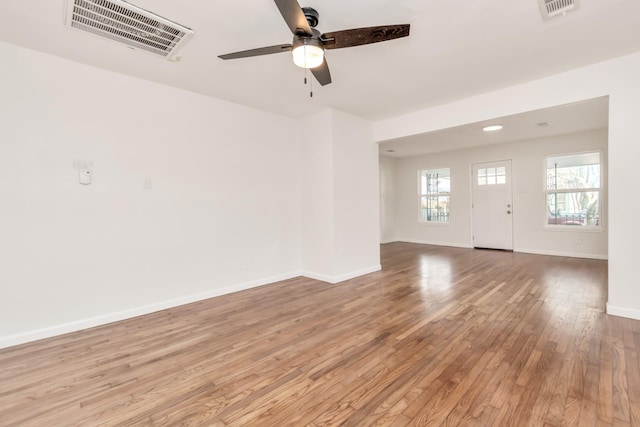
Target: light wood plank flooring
<point>441,336</point>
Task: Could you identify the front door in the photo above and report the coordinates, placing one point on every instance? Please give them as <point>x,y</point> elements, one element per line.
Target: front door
<point>492,205</point>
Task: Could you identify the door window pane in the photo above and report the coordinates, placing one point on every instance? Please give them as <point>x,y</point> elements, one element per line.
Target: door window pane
<point>492,176</point>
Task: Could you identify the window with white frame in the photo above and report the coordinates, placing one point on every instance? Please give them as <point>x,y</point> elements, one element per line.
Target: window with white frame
<point>435,195</point>
<point>492,176</point>
<point>573,190</point>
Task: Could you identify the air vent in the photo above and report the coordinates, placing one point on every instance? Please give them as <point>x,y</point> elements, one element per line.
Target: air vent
<point>122,22</point>
<point>551,8</point>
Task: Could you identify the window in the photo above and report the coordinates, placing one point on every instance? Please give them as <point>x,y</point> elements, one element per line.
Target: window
<point>435,189</point>
<point>492,176</point>
<point>573,190</point>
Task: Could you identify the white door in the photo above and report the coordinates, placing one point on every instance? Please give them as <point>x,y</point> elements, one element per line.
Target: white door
<point>492,205</point>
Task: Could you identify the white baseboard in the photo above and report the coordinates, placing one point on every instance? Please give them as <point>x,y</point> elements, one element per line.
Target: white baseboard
<point>623,312</point>
<point>560,253</point>
<point>524,250</point>
<point>64,328</point>
<point>428,242</point>
<point>342,277</point>
<point>51,331</point>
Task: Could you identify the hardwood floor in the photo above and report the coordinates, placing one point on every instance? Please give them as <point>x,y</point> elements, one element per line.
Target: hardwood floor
<point>441,336</point>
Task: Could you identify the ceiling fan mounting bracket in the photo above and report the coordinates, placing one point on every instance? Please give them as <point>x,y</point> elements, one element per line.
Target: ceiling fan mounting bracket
<point>315,35</point>
<point>312,15</point>
<point>326,39</point>
<point>304,39</point>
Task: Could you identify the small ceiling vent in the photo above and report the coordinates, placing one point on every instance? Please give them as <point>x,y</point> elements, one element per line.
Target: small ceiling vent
<point>551,8</point>
<point>120,21</point>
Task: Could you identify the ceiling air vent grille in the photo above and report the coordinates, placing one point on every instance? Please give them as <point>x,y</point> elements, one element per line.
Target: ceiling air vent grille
<point>125,23</point>
<point>551,8</point>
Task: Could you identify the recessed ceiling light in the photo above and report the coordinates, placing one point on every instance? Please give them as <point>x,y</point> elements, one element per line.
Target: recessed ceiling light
<point>492,128</point>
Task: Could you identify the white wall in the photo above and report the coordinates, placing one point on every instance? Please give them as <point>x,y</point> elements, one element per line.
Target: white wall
<point>340,198</point>
<point>223,213</point>
<point>387,199</point>
<point>529,209</point>
<point>617,78</point>
<point>357,202</point>
<point>318,238</point>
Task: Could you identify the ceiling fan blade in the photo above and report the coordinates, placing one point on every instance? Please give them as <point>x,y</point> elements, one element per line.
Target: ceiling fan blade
<point>294,17</point>
<point>360,36</point>
<point>321,73</point>
<point>257,52</point>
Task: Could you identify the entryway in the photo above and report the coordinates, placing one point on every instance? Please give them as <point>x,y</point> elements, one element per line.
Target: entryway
<point>492,205</point>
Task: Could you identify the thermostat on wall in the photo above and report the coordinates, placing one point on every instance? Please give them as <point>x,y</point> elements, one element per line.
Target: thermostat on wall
<point>85,176</point>
<point>85,171</point>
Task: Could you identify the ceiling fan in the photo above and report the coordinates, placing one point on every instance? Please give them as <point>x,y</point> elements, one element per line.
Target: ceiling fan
<point>309,44</point>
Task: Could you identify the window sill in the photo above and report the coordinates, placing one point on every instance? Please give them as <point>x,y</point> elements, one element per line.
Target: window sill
<point>575,228</point>
<point>437,224</point>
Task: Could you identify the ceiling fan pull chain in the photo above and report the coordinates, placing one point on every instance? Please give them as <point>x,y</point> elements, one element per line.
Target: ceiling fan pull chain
<point>306,72</point>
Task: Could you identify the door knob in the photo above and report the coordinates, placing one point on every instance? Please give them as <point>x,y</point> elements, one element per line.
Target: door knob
<point>509,212</point>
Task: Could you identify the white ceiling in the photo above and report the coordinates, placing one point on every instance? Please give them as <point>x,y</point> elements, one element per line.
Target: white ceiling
<point>457,48</point>
<point>562,119</point>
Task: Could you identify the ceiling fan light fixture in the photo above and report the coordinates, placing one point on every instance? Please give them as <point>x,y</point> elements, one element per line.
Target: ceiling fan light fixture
<point>307,53</point>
